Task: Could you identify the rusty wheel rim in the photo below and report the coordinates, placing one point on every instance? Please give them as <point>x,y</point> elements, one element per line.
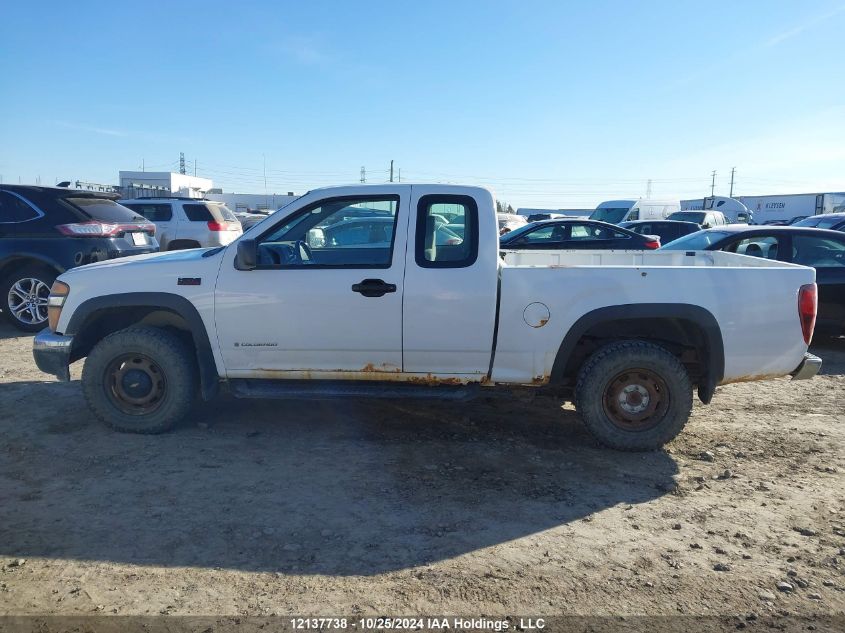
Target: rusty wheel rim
<point>135,384</point>
<point>636,399</point>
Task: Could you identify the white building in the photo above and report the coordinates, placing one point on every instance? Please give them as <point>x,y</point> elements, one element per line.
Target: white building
<point>163,183</point>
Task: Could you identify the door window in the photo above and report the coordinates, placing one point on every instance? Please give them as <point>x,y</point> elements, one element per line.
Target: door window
<point>593,232</point>
<point>153,212</point>
<point>542,234</point>
<point>447,231</point>
<point>341,232</point>
<point>758,246</point>
<point>819,252</point>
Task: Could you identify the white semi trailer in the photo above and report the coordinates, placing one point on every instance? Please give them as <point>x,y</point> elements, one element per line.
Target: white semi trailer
<point>787,207</point>
<point>763,209</point>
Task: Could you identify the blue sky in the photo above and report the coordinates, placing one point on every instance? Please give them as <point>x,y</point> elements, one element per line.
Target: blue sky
<point>554,104</point>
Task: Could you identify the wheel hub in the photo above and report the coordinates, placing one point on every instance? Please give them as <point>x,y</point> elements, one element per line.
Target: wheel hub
<point>135,384</point>
<point>636,399</point>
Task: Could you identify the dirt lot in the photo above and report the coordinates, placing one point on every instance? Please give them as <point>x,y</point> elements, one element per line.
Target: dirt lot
<point>353,507</point>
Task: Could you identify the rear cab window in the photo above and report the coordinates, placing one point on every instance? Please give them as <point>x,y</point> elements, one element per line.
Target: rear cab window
<point>450,244</point>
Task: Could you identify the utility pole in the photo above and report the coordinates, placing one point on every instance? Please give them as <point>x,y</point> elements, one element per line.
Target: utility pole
<point>391,171</point>
<point>264,158</point>
<point>181,162</point>
<point>648,189</point>
<point>195,168</point>
<point>142,165</point>
<point>400,174</point>
<point>733,171</point>
<point>713,183</point>
<point>363,174</point>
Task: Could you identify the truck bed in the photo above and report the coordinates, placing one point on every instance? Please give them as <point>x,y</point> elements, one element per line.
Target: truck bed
<point>754,301</point>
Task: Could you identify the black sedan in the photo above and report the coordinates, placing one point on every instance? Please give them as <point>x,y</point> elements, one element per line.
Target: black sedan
<point>819,248</point>
<point>576,234</point>
<point>666,230</point>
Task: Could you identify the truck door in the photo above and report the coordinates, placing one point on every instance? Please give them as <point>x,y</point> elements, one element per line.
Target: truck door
<point>451,284</point>
<point>325,297</point>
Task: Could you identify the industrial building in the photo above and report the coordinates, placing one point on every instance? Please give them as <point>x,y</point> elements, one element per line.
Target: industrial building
<point>135,184</point>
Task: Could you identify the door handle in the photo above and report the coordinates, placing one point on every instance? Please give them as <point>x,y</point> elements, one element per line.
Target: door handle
<point>373,288</point>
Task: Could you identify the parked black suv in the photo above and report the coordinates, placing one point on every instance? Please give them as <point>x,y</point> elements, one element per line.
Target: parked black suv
<point>46,230</point>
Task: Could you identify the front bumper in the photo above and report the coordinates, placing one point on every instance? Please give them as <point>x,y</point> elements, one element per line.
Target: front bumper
<point>52,353</point>
<point>808,368</point>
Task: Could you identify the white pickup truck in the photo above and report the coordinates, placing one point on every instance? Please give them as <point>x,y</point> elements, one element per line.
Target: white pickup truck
<point>402,291</point>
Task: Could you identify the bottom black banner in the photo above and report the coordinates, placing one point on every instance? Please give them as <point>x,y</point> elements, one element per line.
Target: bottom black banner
<point>426,624</point>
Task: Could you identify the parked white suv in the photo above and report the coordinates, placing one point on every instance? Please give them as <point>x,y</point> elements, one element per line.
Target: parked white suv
<point>188,222</point>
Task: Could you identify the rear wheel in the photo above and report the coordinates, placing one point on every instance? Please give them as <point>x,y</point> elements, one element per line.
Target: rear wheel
<point>633,395</point>
<point>140,380</point>
<point>24,294</point>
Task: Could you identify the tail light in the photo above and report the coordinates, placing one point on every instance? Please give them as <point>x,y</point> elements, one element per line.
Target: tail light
<point>807,306</point>
<point>103,229</point>
<point>220,226</point>
<point>453,241</point>
<point>652,244</point>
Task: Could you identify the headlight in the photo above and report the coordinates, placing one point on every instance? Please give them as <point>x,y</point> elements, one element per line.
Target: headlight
<point>55,302</point>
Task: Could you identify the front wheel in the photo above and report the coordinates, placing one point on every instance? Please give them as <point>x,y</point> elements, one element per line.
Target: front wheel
<point>633,395</point>
<point>140,380</point>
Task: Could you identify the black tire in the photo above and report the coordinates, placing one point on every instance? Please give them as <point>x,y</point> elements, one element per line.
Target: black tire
<point>27,322</point>
<point>633,395</point>
<point>159,360</point>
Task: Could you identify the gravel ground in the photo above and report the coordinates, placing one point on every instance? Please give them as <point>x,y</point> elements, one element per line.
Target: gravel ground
<point>279,507</point>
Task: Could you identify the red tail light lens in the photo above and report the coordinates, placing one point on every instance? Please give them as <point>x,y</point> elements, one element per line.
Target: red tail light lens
<point>219,226</point>
<point>652,245</point>
<point>807,306</point>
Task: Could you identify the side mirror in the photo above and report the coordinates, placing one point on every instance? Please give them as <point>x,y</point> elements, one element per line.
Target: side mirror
<point>247,257</point>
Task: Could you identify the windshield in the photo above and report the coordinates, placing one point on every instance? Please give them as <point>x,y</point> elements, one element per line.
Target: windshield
<point>613,215</point>
<point>821,222</point>
<point>697,241</point>
<point>687,216</point>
